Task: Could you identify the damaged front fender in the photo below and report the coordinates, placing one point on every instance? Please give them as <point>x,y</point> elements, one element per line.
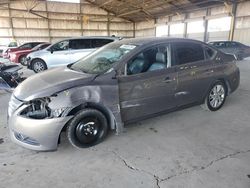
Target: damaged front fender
<point>104,98</point>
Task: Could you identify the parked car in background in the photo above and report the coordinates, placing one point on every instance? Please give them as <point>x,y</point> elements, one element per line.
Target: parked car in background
<point>20,56</point>
<point>4,48</point>
<point>239,50</point>
<point>65,52</point>
<point>10,76</point>
<point>25,46</point>
<point>122,82</point>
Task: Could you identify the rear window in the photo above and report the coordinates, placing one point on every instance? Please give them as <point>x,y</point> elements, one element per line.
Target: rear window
<point>188,52</point>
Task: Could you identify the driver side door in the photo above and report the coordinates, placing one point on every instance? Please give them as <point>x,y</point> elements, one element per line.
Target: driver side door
<point>146,92</point>
<point>59,55</point>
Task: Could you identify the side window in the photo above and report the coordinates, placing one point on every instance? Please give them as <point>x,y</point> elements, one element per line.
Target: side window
<point>96,43</point>
<point>61,46</point>
<point>25,46</point>
<point>34,44</point>
<point>188,53</point>
<point>209,52</point>
<point>78,44</point>
<point>152,59</point>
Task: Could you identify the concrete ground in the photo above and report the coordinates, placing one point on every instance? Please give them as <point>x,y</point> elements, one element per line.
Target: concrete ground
<point>189,148</point>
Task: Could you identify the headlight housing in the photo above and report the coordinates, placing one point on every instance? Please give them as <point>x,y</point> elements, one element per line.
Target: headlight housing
<point>39,109</point>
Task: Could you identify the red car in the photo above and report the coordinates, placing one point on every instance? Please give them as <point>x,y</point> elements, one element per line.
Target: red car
<point>20,56</point>
<point>25,46</point>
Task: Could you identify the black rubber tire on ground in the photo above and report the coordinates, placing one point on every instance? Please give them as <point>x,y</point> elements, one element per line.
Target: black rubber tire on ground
<point>22,60</point>
<point>207,104</point>
<point>40,63</point>
<point>77,129</point>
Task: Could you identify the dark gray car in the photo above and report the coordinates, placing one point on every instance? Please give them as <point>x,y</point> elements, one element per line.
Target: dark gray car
<point>239,50</point>
<point>122,82</point>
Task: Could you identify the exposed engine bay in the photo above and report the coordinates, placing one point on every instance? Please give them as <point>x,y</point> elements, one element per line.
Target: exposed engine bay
<point>37,109</point>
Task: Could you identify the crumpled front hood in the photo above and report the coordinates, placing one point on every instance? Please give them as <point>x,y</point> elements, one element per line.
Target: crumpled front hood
<point>49,82</point>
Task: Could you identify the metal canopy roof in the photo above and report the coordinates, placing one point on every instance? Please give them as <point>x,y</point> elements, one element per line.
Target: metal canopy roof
<point>139,10</point>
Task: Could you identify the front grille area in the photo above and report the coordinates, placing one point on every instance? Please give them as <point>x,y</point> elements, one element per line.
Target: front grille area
<point>26,139</point>
<point>14,103</point>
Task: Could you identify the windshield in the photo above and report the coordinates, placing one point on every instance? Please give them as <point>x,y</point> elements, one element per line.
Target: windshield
<point>103,59</point>
<point>40,46</point>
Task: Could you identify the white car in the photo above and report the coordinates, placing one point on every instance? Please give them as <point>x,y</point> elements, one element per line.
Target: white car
<point>4,48</point>
<point>65,52</point>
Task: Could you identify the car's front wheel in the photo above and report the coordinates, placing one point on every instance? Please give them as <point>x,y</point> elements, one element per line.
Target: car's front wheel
<point>38,65</point>
<point>88,128</point>
<point>216,97</point>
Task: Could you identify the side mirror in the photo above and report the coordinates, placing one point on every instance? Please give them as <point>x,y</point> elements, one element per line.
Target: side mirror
<point>51,50</point>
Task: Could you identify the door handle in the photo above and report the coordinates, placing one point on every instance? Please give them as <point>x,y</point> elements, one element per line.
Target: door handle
<point>208,71</point>
<point>184,67</point>
<point>167,80</point>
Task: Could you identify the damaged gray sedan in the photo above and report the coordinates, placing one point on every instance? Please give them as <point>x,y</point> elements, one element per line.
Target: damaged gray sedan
<point>122,82</point>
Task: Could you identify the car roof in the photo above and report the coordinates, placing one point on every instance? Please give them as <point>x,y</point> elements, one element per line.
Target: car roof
<point>155,40</point>
<point>92,37</point>
<point>221,41</point>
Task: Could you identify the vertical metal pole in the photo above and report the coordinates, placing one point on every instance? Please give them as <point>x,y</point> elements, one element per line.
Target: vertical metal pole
<point>206,25</point>
<point>155,22</point>
<point>232,26</point>
<point>11,23</point>
<point>134,29</point>
<point>169,19</point>
<point>108,24</point>
<point>185,26</point>
<point>48,21</point>
<point>81,19</point>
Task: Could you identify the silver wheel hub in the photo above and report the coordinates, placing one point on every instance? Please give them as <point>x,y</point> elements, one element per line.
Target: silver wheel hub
<point>22,60</point>
<point>217,96</point>
<point>38,66</point>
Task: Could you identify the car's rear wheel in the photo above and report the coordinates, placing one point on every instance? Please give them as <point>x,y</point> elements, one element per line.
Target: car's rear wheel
<point>88,128</point>
<point>22,60</point>
<point>216,97</point>
<point>38,65</point>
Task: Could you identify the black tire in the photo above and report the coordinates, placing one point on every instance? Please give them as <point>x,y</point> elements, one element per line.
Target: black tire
<point>22,60</point>
<point>211,96</point>
<point>88,128</point>
<point>38,65</point>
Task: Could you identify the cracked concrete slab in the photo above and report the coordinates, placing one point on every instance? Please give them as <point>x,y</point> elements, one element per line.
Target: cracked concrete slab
<point>189,148</point>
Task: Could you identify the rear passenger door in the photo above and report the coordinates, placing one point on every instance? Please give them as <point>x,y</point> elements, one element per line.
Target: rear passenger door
<point>194,72</point>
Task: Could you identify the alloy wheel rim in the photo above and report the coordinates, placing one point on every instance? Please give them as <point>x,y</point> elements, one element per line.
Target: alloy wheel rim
<point>217,96</point>
<point>38,66</point>
<point>22,60</point>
